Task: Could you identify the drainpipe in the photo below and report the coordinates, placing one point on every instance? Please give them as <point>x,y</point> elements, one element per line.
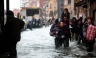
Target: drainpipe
<point>2,15</point>
<point>89,10</point>
<point>7,5</point>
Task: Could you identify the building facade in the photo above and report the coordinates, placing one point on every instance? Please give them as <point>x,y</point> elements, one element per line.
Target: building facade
<point>45,9</point>
<point>50,9</point>
<point>81,9</point>
<point>53,8</point>
<point>29,3</point>
<point>42,3</point>
<point>85,8</point>
<point>69,4</point>
<point>92,4</point>
<point>60,7</point>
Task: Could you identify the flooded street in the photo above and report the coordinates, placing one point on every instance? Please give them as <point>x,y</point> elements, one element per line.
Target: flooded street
<point>37,43</point>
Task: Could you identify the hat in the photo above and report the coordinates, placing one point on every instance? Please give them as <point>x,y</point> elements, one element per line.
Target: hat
<point>9,12</point>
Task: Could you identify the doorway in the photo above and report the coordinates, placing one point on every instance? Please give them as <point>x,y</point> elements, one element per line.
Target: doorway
<point>94,16</point>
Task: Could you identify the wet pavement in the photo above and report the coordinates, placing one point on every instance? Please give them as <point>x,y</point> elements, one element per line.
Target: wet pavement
<point>37,43</point>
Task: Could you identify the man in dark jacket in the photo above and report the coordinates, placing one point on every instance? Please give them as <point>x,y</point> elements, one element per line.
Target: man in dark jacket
<point>12,31</point>
<point>74,30</point>
<point>79,31</point>
<point>63,35</point>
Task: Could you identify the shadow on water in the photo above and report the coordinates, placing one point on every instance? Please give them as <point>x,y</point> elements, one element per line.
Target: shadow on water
<point>89,55</point>
<point>66,55</point>
<point>63,53</point>
<point>74,52</point>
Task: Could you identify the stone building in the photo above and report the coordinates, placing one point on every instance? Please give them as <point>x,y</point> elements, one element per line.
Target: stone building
<point>81,9</point>
<point>92,4</point>
<point>85,8</point>
<point>69,4</point>
<point>60,7</point>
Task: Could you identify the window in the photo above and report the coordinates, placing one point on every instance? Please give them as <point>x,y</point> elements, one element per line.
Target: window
<point>69,1</point>
<point>62,0</point>
<point>55,6</point>
<point>61,5</point>
<point>61,9</point>
<point>50,6</point>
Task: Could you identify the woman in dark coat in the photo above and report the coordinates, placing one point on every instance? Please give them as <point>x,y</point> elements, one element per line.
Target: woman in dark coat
<point>90,44</point>
<point>65,12</point>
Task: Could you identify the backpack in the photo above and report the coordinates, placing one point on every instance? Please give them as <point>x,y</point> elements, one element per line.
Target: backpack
<point>91,32</point>
<point>84,28</point>
<point>52,30</point>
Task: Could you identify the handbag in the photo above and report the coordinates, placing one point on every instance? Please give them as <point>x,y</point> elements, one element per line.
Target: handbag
<point>51,34</point>
<point>91,32</point>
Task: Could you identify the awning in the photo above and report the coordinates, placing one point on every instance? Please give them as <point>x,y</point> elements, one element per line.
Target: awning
<point>80,3</point>
<point>84,6</point>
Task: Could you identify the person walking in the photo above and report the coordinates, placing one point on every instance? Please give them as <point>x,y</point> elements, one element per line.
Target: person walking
<point>63,34</point>
<point>74,30</point>
<point>53,28</point>
<point>11,35</point>
<point>79,31</point>
<point>90,35</point>
<point>65,12</point>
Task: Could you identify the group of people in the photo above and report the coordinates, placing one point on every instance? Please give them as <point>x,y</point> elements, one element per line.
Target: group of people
<point>11,34</point>
<point>72,29</point>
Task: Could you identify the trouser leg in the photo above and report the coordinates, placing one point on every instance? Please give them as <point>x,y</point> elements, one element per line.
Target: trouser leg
<point>79,39</point>
<point>60,42</point>
<point>90,46</point>
<point>56,43</point>
<point>66,42</point>
<point>13,51</point>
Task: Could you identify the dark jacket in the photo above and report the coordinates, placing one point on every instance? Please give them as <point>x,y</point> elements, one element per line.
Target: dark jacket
<point>79,28</point>
<point>64,31</point>
<point>67,14</point>
<point>12,29</point>
<point>74,25</point>
<point>54,28</point>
